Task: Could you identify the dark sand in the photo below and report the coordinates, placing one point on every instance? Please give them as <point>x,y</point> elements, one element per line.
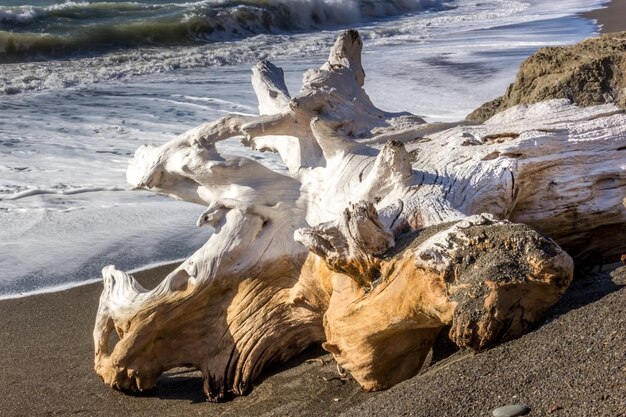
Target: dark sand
<point>46,368</point>
<point>611,18</point>
<point>575,359</point>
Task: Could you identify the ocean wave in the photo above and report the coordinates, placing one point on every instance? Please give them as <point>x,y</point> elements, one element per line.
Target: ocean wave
<point>72,27</point>
<point>68,10</point>
<point>18,15</point>
<point>59,74</point>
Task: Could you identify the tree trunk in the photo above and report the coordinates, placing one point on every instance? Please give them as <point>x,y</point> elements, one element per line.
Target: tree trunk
<point>371,239</point>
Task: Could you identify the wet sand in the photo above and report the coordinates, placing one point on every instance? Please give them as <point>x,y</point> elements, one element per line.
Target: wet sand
<point>611,18</point>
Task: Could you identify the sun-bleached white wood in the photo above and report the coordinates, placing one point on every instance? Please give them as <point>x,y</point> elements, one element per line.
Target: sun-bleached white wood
<point>288,244</point>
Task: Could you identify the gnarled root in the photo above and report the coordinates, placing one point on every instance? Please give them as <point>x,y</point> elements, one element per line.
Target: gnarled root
<point>378,279</point>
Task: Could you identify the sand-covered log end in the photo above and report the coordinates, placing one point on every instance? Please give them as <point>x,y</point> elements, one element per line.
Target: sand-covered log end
<point>505,276</point>
<point>489,280</point>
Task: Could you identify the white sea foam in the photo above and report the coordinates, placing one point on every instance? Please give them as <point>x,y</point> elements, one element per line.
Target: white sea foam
<point>68,132</point>
<point>23,14</point>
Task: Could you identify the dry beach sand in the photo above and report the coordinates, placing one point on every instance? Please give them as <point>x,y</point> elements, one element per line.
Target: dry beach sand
<point>572,364</point>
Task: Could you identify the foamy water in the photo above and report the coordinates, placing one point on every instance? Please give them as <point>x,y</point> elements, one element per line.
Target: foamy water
<point>69,126</point>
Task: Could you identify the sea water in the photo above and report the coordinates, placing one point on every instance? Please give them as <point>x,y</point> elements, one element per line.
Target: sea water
<point>83,84</point>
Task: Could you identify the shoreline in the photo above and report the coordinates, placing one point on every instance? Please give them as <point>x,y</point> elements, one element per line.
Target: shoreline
<point>612,18</point>
<point>71,285</point>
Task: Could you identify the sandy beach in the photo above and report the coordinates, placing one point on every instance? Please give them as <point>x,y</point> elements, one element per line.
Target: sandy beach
<point>611,18</point>
<point>46,368</point>
<point>572,364</point>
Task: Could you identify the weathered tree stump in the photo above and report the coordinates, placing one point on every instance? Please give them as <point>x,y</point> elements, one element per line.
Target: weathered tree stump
<point>371,239</point>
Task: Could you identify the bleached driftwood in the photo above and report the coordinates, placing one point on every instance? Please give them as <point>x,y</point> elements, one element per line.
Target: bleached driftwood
<point>371,240</point>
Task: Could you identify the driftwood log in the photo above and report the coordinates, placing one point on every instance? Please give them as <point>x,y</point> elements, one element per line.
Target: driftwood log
<point>380,231</point>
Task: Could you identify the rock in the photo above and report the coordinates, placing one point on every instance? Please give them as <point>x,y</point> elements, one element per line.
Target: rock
<point>511,411</point>
<point>588,73</point>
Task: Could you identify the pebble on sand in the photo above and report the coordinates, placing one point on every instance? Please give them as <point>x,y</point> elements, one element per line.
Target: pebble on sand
<point>511,411</point>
